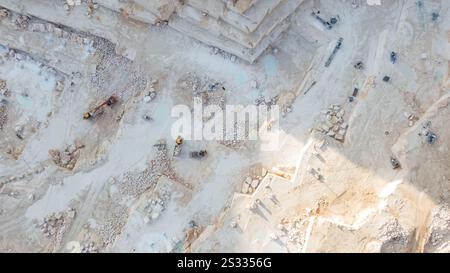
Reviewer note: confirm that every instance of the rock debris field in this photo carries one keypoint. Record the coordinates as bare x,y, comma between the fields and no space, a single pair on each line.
89,162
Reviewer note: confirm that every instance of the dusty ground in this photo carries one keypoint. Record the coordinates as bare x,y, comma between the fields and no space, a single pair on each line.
111,190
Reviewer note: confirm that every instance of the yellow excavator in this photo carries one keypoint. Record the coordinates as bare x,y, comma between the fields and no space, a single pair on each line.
99,108
177,149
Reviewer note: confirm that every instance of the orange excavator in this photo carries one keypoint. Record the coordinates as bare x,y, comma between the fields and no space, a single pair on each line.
99,108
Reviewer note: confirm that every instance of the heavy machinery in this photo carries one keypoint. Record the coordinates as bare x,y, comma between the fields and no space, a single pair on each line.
394,162
327,24
198,154
359,65
393,57
177,149
335,50
99,108
431,137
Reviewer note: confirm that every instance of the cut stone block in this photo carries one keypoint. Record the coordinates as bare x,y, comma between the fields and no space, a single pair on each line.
249,40
131,10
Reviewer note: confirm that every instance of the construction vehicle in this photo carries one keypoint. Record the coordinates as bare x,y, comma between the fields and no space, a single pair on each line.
326,24
434,16
147,117
393,57
177,149
335,50
359,65
99,108
431,137
198,154
394,162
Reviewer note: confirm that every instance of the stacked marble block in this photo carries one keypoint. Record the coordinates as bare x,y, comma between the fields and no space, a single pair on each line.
147,11
244,28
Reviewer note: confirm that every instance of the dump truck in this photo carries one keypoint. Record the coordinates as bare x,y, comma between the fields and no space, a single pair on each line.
99,108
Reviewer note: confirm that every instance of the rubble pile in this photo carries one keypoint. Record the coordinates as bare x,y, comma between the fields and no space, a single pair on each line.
2,86
150,93
250,183
3,104
116,218
90,4
89,247
68,157
58,32
57,223
22,22
224,54
155,206
136,183
232,144
439,229
236,138
191,81
115,72
209,91
161,164
3,114
212,97
4,13
394,237
14,152
261,100
69,4
294,230
318,208
332,122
